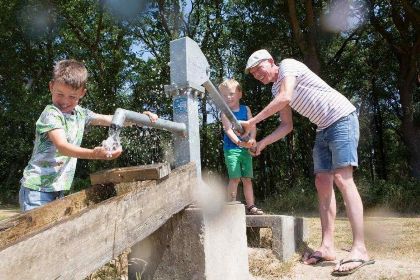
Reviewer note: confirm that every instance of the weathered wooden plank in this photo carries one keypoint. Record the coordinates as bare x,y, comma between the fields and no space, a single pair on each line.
82,243
131,174
169,198
14,228
17,227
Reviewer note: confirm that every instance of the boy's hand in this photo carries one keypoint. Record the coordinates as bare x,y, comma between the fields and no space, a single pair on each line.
153,117
256,151
248,144
104,154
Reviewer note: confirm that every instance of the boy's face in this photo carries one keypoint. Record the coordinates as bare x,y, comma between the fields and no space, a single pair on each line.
65,97
262,71
231,96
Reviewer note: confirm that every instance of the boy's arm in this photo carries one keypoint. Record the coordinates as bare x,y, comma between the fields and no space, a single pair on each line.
227,127
102,120
253,132
105,120
58,137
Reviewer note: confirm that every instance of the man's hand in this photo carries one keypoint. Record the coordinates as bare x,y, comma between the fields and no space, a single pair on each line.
247,126
258,149
104,154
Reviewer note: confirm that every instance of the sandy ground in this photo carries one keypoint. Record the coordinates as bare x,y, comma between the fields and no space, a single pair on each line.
393,242
5,213
382,269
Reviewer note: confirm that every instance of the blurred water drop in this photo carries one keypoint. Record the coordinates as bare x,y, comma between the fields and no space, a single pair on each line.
126,9
37,20
344,15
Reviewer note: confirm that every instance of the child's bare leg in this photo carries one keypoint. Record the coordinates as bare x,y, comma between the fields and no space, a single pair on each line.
232,189
343,178
327,211
248,191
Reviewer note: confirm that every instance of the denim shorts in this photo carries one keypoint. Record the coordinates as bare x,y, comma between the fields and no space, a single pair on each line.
238,163
336,146
30,199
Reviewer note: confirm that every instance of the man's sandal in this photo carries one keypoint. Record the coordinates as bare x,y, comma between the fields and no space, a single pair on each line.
348,272
253,210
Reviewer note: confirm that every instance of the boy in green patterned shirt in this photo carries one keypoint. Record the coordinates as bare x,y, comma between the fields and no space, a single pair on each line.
59,133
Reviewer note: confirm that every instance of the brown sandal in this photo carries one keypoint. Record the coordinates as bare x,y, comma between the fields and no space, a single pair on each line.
253,210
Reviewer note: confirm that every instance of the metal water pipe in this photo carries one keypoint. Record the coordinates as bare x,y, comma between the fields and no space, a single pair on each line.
122,116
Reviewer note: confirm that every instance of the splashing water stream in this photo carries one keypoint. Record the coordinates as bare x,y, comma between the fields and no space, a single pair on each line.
113,142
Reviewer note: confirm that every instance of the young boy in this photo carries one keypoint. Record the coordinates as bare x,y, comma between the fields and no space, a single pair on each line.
58,135
237,157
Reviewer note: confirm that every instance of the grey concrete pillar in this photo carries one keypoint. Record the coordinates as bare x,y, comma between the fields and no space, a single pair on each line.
189,70
191,246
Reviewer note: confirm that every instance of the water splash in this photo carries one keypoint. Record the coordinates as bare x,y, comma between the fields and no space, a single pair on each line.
113,142
210,196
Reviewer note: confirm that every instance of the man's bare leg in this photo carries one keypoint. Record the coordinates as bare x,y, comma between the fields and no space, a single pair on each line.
327,211
343,178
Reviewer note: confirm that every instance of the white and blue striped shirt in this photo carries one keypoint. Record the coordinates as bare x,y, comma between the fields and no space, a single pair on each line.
312,97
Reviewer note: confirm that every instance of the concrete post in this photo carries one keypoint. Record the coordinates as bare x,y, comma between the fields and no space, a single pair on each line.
191,246
189,70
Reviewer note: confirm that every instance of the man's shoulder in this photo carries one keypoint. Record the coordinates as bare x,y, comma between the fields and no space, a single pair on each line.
290,61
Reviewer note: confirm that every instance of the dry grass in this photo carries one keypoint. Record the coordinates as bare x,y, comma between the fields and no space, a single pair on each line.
264,265
117,269
8,211
393,241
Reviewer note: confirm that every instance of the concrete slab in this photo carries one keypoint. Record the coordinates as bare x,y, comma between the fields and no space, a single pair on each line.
287,232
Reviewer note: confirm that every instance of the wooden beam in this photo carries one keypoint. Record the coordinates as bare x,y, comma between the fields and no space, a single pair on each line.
83,242
16,227
131,174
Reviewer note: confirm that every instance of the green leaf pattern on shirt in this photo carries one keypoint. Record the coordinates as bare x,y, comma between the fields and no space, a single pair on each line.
47,169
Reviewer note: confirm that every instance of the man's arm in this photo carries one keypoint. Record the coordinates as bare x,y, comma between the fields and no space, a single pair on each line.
285,127
281,100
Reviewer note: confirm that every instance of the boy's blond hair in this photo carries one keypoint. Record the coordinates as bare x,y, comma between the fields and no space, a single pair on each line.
231,83
70,72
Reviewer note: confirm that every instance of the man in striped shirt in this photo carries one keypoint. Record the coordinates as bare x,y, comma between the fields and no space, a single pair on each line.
335,150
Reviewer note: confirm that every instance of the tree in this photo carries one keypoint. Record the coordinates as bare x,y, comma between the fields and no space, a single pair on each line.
399,24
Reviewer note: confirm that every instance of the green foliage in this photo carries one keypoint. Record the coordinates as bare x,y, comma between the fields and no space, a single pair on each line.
127,55
399,196
296,200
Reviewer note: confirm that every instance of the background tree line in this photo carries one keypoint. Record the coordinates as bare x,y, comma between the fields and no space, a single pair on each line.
368,50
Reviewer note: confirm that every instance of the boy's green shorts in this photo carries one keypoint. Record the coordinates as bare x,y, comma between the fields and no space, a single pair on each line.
238,163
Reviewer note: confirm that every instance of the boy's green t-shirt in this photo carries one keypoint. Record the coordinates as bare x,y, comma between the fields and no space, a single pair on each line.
48,170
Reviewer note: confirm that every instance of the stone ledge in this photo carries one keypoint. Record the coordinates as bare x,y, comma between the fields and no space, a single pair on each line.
287,232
